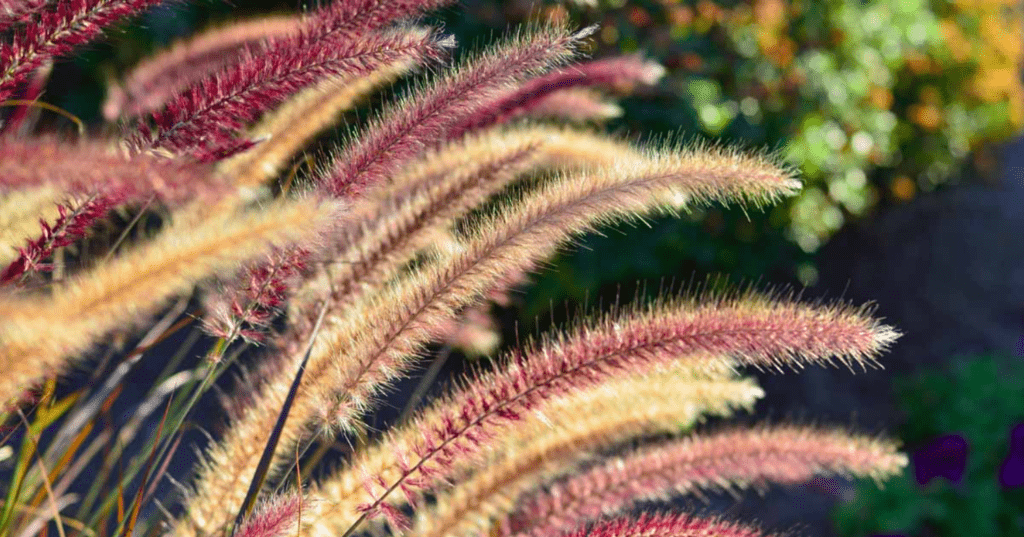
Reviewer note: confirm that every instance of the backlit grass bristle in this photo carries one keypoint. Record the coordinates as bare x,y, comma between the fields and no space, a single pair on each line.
125,291
425,117
151,83
322,281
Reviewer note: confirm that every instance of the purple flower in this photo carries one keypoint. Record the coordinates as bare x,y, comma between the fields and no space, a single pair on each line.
945,456
1011,472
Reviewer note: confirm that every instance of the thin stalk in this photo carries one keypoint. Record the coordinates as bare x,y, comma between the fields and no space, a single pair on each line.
425,383
263,467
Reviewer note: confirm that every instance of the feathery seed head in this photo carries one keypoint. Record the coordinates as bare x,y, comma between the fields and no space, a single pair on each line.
275,517
152,83
427,116
369,284
760,332
126,290
94,166
666,525
574,104
519,235
724,459
567,431
206,116
57,28
619,73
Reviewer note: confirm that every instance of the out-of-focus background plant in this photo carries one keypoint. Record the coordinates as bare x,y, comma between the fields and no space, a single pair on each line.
875,100
965,428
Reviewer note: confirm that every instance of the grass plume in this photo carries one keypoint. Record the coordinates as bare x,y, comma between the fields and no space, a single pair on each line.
346,272
94,166
557,436
56,29
753,330
730,458
207,115
128,289
295,123
152,83
418,122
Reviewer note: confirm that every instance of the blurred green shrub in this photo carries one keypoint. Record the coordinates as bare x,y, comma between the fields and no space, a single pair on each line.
979,401
871,99
875,102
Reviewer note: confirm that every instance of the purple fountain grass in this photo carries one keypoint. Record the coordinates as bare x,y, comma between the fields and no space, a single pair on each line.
76,167
102,173
739,457
666,525
424,119
276,517
294,124
377,338
124,291
394,222
416,223
55,30
14,12
753,330
357,17
512,242
562,434
573,104
152,83
32,91
620,73
208,115
74,220
247,309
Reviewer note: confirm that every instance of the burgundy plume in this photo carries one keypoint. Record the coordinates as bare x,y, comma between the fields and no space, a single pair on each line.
426,119
90,166
33,89
275,517
206,117
54,31
755,330
620,73
666,525
729,458
573,104
14,12
357,17
252,302
151,83
73,221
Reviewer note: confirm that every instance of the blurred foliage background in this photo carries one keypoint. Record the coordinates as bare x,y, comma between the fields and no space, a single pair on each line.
965,420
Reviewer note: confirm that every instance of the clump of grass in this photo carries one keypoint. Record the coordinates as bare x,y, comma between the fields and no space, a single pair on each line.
444,200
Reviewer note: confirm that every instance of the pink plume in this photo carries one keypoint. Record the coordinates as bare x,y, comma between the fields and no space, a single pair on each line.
56,29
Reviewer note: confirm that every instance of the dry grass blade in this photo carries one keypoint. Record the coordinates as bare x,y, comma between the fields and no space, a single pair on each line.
268,451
